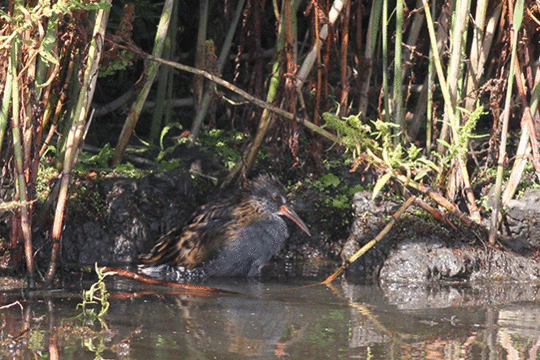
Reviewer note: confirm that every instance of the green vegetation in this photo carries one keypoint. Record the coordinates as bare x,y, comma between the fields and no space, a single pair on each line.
340,194
96,298
360,139
101,162
224,145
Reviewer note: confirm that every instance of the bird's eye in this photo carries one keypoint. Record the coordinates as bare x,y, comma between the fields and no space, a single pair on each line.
275,196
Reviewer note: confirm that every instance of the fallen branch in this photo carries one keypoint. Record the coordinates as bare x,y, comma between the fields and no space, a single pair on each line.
435,196
151,281
437,214
247,96
372,243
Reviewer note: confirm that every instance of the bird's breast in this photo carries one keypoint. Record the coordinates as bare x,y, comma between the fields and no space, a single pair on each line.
264,232
249,248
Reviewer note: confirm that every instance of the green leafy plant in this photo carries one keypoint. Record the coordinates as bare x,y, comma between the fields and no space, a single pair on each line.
124,61
97,297
164,151
101,161
378,142
353,134
340,193
221,144
465,132
102,158
327,180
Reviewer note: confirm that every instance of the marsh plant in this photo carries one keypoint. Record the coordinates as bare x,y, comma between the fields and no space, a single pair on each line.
96,298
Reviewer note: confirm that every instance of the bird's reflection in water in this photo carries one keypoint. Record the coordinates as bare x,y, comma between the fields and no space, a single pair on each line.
244,325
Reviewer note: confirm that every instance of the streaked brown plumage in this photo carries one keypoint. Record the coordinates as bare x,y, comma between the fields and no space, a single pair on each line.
233,236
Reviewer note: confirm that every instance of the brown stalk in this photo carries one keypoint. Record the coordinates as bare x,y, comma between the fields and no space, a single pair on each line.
291,95
69,57
316,148
17,130
47,207
326,66
53,346
15,252
76,135
290,50
198,81
504,121
524,148
528,118
343,59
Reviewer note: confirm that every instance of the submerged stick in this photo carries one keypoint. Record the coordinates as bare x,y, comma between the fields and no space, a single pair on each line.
372,243
151,281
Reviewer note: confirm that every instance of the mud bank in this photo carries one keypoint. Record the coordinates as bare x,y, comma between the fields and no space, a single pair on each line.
417,250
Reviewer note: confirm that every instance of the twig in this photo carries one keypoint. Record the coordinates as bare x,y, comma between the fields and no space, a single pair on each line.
11,305
372,243
151,281
438,215
247,96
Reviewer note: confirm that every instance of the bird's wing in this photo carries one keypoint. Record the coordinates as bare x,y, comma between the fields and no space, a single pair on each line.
195,243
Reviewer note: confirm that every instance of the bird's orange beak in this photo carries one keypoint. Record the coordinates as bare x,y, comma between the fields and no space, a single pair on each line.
291,214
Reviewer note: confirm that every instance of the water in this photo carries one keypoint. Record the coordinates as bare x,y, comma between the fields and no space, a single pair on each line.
276,319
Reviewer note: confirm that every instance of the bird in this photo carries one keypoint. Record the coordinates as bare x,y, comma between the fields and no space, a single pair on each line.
234,236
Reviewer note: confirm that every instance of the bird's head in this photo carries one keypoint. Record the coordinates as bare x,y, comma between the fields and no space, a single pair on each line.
269,196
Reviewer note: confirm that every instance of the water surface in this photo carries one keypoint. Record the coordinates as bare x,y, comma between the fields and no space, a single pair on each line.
274,318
